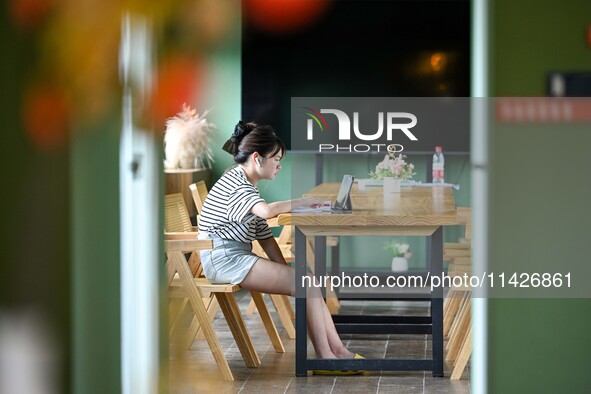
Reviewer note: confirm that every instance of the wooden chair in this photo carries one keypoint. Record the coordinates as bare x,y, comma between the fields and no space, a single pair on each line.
177,225
280,302
177,218
452,251
457,306
183,284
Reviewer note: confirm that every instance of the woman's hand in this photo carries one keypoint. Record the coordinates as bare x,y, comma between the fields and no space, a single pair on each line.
308,202
267,211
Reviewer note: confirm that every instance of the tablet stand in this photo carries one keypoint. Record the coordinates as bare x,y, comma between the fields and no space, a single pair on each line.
347,206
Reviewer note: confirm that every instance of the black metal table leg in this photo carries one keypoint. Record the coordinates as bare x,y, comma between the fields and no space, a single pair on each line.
436,264
335,263
300,323
320,261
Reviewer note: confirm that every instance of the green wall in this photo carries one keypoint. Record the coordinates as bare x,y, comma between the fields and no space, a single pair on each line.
539,218
223,97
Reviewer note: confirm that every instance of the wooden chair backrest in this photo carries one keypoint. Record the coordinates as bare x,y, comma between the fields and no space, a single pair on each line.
176,216
199,193
177,222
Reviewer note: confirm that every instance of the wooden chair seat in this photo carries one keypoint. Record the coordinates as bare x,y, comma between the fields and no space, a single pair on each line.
176,288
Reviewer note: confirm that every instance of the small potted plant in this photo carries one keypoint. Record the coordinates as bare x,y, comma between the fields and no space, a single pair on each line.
392,170
401,254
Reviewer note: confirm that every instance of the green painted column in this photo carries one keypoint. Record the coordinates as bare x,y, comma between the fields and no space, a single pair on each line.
96,344
539,215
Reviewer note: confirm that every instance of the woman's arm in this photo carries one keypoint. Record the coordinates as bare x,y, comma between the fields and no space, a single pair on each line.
267,211
270,247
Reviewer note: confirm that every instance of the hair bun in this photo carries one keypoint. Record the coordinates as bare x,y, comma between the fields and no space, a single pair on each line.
240,130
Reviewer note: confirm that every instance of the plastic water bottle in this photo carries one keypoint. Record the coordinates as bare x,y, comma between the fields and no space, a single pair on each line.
438,163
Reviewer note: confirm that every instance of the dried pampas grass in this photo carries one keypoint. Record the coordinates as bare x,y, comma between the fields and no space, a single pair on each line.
187,140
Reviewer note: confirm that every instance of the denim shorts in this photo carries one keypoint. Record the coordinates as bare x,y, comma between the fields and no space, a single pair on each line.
228,262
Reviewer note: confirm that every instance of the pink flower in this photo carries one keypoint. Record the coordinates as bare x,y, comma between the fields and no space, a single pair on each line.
393,166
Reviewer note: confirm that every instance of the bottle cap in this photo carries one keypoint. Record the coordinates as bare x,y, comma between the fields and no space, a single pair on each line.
438,149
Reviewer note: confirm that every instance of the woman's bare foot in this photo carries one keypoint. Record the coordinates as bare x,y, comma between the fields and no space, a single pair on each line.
327,355
345,353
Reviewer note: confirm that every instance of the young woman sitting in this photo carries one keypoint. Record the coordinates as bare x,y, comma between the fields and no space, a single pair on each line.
234,214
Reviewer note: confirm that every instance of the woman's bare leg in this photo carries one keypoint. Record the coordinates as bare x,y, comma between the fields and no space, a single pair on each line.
336,344
269,277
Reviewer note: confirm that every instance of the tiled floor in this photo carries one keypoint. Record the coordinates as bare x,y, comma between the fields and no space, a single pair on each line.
195,371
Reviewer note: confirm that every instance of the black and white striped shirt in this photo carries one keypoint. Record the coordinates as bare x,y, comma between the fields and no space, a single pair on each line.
226,211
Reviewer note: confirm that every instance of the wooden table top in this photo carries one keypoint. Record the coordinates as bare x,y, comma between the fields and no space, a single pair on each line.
413,206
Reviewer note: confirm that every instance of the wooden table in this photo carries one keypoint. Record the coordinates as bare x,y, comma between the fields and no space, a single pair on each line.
416,211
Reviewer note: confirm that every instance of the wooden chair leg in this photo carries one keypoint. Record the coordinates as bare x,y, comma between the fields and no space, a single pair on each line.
450,311
456,341
332,302
268,321
450,353
231,312
283,314
180,264
288,307
456,321
195,264
193,332
176,310
212,306
463,357
251,308
284,311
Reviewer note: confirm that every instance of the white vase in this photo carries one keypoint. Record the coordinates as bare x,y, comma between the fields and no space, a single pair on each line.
399,264
391,185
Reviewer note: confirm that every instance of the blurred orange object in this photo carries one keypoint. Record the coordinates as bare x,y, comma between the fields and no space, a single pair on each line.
283,15
46,117
179,81
29,13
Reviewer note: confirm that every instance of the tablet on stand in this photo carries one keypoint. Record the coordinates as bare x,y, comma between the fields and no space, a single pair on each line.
343,202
